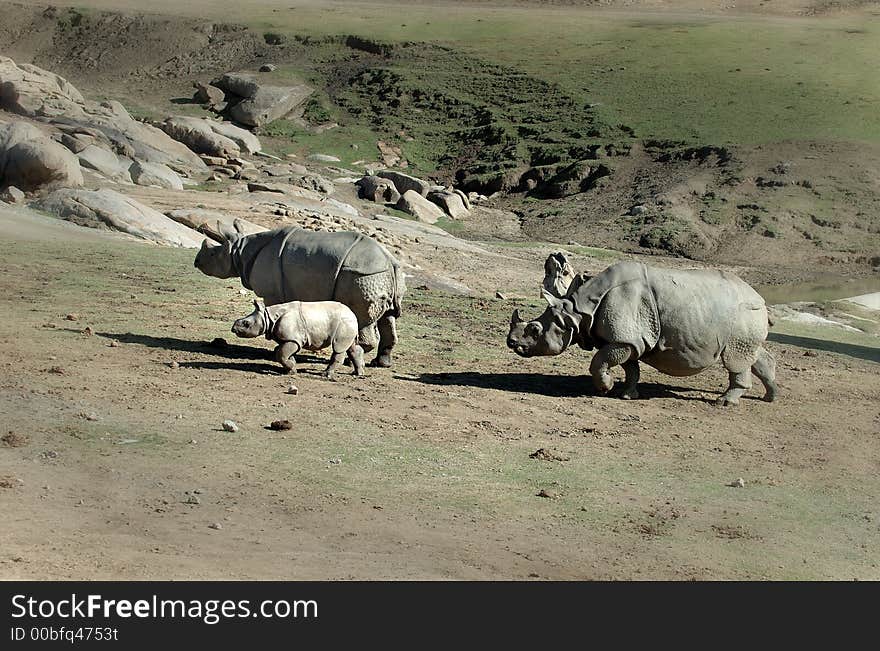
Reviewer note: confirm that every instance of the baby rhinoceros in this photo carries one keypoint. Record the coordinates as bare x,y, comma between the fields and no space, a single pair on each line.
681,322
301,325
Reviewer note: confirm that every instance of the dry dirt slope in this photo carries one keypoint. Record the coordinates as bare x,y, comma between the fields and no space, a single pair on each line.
114,464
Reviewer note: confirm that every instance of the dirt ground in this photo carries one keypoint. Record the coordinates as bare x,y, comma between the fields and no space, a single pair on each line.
114,465
463,461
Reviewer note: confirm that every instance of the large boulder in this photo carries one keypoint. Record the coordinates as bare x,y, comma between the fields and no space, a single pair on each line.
32,91
212,223
108,209
416,205
260,104
210,96
30,159
198,135
450,202
105,162
144,173
404,182
247,142
28,90
375,188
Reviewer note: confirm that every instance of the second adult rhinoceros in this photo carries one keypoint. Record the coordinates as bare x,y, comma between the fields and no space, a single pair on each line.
294,264
681,322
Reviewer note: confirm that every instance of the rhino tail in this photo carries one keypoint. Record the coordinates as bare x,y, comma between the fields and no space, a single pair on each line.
398,288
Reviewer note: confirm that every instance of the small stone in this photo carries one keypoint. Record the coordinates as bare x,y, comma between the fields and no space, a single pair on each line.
637,210
173,364
89,416
88,332
192,441
192,499
548,494
57,370
268,67
501,296
810,353
243,292
71,317
739,483
230,426
279,425
334,462
113,344
216,526
292,390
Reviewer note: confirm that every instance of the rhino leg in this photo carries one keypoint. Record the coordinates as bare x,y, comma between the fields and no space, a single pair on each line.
630,384
284,354
356,359
387,340
605,359
765,369
335,359
739,384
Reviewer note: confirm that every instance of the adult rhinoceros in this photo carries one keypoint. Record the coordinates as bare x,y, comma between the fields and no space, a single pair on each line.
294,264
678,321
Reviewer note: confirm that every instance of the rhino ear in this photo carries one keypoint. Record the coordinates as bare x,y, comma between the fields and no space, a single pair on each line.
552,301
257,303
515,318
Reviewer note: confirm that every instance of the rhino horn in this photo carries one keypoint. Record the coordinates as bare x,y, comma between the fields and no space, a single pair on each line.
238,225
205,244
515,318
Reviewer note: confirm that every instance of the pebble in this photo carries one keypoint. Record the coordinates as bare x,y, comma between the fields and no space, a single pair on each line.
281,425
739,483
71,317
113,344
292,390
501,296
230,426
216,526
335,462
173,365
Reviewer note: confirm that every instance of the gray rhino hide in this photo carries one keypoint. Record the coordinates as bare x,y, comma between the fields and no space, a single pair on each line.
694,313
296,264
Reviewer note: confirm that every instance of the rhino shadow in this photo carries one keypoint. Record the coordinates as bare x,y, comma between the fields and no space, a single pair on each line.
552,385
227,350
853,350
261,369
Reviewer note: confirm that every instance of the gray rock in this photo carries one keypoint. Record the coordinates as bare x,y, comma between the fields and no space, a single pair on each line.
107,209
28,90
105,162
450,202
419,207
247,142
324,158
12,195
229,426
314,182
29,159
260,104
404,182
375,188
268,67
154,174
199,135
215,225
209,95
638,209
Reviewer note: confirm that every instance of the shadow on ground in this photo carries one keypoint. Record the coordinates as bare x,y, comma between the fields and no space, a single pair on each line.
853,350
557,386
215,348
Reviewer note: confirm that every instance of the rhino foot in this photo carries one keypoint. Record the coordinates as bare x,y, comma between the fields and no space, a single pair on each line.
629,394
726,401
382,361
